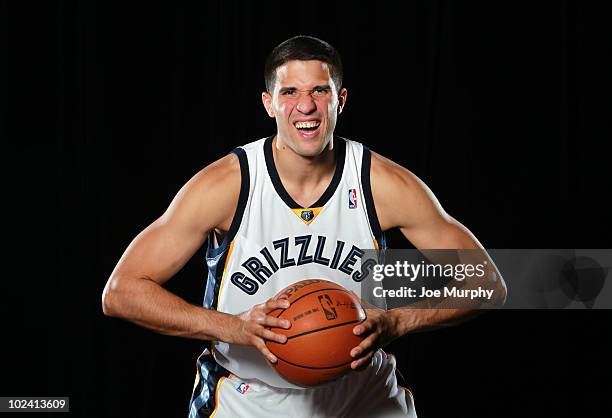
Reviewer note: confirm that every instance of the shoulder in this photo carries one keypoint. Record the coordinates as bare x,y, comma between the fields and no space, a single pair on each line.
210,197
400,197
222,172
222,176
390,177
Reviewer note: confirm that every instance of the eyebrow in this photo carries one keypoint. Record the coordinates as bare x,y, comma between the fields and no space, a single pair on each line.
285,89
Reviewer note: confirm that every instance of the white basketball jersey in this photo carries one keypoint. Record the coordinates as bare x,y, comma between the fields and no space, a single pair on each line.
274,242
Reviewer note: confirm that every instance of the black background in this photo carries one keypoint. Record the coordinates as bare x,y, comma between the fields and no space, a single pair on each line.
502,108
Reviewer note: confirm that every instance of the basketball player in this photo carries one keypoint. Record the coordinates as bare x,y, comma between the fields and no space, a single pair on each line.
284,208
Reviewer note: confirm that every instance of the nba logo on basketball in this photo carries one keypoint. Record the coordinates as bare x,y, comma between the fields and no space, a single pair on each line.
242,388
352,198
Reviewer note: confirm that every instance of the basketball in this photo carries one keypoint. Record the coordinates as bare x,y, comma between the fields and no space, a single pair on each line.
323,315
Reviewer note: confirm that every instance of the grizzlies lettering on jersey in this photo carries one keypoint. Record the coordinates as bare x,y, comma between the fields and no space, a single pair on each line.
261,268
274,242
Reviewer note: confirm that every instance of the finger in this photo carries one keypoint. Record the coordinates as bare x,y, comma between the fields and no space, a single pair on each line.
365,345
272,322
272,304
363,328
272,336
363,362
266,352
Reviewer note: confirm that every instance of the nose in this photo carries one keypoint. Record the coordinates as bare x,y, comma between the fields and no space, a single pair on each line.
306,104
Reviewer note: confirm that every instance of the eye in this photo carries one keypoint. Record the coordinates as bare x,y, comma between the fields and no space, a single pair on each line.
320,91
288,93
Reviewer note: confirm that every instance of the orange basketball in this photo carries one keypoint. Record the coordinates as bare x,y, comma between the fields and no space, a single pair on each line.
319,341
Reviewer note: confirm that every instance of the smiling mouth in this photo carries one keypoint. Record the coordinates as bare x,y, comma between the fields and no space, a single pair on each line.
307,126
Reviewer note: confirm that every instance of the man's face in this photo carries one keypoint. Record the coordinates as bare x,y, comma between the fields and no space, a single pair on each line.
305,103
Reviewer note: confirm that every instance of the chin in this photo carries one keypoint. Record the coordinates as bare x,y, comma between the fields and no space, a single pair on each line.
310,147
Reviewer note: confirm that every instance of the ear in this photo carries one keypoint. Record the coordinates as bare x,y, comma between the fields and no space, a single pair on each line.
342,95
266,99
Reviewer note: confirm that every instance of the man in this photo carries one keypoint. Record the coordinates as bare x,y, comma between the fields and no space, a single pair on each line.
261,208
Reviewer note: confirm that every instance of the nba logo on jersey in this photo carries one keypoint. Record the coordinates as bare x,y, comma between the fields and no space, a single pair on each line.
242,388
352,198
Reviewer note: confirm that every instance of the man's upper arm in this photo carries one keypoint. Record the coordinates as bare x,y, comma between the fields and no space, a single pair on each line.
205,202
402,200
405,202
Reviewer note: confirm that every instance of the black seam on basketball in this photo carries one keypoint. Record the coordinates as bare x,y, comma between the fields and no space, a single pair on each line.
323,329
314,291
311,367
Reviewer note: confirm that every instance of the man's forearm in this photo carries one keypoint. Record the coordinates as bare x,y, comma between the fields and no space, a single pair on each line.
146,303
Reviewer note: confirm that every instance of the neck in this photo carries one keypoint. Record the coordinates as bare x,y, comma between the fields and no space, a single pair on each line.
304,178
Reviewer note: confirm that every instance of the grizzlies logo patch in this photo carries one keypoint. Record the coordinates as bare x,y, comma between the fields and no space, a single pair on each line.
307,215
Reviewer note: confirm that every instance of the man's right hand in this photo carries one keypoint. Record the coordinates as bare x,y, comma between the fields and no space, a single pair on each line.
253,327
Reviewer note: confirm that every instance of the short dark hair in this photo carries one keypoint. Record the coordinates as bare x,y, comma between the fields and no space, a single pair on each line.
303,48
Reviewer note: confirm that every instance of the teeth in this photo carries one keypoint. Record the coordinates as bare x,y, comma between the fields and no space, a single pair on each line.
309,124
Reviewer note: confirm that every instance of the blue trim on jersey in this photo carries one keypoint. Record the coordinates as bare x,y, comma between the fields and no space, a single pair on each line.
203,399
215,257
215,261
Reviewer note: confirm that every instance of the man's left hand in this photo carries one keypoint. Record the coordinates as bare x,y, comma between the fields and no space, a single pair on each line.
379,329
